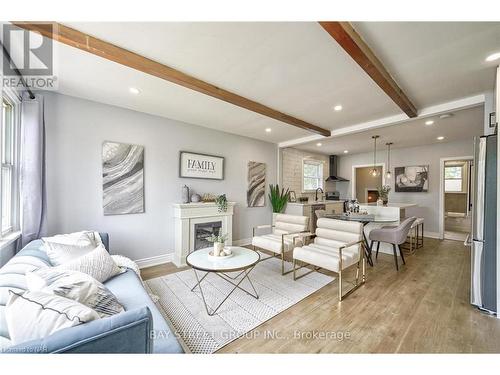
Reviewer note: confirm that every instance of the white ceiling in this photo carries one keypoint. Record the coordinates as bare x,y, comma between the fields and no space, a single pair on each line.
464,124
294,67
435,62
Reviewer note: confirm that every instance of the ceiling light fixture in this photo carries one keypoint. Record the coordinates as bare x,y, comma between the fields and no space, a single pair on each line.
440,138
374,172
134,90
493,57
346,151
429,122
337,108
319,144
268,130
388,175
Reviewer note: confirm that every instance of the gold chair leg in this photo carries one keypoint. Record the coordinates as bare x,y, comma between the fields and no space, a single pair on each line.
283,273
340,285
364,269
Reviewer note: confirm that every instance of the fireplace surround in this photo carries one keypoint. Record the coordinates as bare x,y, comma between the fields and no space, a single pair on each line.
194,222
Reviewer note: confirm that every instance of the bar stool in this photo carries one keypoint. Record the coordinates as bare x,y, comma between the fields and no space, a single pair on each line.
415,236
393,235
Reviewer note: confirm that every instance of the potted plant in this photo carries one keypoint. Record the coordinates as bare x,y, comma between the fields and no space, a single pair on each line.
218,241
383,193
278,199
221,202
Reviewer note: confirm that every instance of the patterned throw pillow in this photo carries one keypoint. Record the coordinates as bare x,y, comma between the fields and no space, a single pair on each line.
98,264
33,315
77,286
66,247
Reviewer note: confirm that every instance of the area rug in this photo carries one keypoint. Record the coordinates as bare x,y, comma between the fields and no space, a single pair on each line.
201,333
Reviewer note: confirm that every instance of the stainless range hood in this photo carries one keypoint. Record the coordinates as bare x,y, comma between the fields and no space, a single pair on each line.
333,170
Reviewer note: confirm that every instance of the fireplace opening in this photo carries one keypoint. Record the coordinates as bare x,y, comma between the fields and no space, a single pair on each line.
203,231
372,196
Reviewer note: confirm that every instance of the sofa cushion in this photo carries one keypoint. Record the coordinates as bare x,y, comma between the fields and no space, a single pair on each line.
63,248
127,287
30,258
33,315
77,286
12,278
98,264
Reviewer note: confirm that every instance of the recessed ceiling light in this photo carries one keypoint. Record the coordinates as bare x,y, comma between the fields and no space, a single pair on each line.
268,130
319,144
429,122
493,57
337,108
446,115
134,90
346,151
440,138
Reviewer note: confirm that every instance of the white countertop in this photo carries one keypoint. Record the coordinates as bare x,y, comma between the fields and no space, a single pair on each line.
313,202
397,205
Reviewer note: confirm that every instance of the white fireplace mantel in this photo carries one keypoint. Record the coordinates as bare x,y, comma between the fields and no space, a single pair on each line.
187,215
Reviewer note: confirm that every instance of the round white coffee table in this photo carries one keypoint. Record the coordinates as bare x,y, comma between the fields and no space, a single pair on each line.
242,259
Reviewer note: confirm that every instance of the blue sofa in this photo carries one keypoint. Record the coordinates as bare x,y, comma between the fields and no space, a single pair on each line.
139,329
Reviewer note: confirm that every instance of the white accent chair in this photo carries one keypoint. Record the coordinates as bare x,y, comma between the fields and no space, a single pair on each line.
280,240
337,246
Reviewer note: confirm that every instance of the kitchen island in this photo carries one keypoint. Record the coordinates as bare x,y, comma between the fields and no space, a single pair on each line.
308,209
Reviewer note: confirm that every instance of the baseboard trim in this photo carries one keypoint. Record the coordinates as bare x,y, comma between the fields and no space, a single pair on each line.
432,235
154,261
242,242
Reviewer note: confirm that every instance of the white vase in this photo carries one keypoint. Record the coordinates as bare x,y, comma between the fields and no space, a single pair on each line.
274,217
218,249
380,202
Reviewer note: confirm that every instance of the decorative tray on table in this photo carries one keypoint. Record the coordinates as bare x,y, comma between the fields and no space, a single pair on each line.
220,257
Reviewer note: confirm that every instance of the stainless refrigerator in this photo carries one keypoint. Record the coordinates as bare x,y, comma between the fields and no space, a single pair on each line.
484,225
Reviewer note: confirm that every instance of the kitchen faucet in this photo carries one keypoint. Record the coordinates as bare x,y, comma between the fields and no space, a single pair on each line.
317,193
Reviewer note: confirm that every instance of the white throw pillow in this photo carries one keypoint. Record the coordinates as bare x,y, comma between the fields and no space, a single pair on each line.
66,247
33,315
98,264
77,286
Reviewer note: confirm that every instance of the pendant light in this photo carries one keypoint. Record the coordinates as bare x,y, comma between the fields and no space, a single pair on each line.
388,175
374,172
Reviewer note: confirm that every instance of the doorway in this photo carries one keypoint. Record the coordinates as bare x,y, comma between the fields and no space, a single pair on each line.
456,198
364,185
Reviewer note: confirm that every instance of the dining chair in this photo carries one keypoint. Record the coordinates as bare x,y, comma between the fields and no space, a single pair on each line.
394,236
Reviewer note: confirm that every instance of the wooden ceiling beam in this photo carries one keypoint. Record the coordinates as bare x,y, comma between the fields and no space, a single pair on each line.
355,46
109,51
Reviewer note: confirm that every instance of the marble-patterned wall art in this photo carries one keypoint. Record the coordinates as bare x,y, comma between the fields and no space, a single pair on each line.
256,190
123,178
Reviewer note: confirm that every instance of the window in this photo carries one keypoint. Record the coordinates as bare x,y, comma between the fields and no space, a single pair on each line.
8,200
312,175
453,179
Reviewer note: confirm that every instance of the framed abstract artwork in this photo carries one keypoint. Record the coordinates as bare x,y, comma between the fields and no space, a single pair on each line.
122,178
256,184
413,179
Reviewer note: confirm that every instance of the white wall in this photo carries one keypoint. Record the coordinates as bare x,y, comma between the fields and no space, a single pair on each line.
75,130
428,203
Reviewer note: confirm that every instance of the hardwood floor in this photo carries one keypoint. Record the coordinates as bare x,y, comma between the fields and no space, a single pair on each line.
423,308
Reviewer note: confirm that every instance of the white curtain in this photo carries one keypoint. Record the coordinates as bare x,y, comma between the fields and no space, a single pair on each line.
32,169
